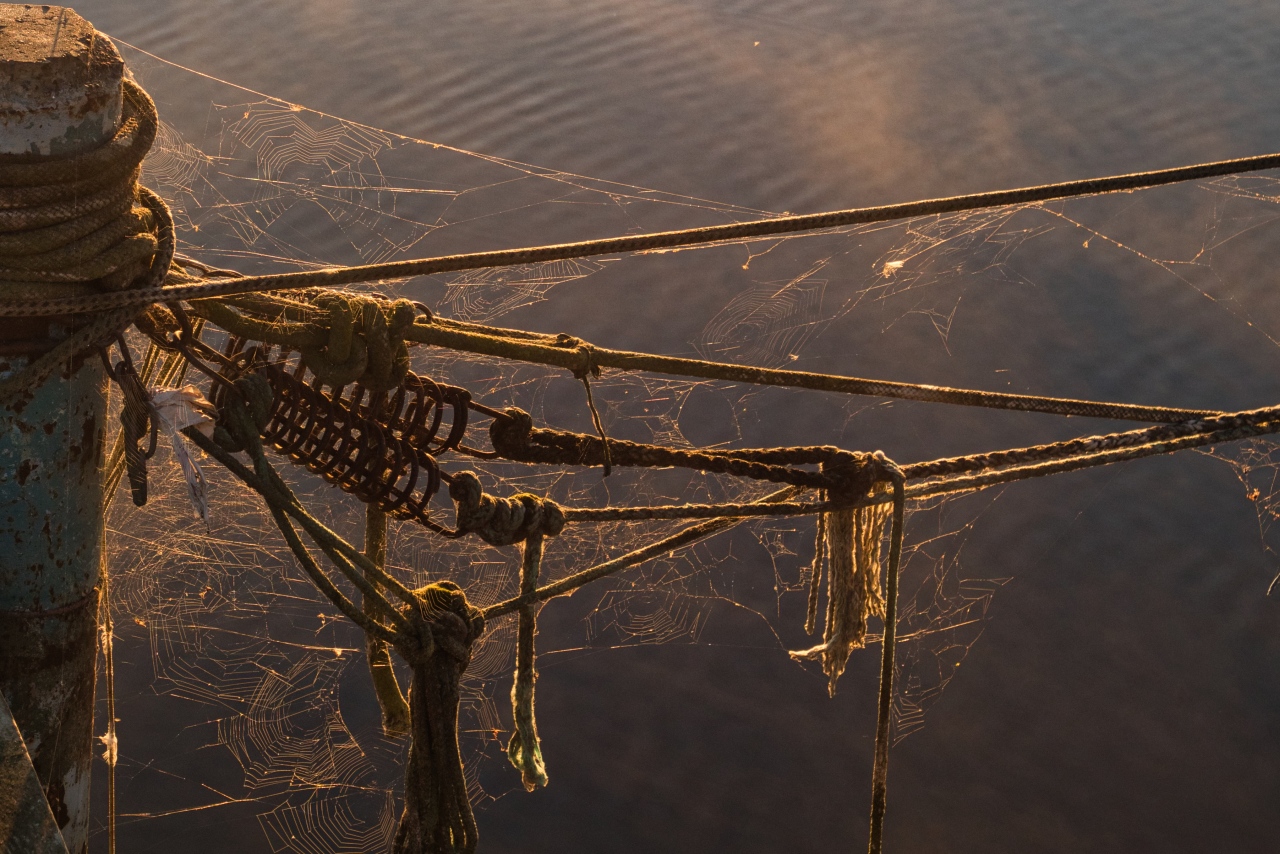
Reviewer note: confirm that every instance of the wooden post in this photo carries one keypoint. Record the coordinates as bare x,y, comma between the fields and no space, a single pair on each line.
60,94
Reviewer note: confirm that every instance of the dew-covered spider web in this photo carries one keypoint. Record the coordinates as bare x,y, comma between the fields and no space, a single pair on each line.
218,620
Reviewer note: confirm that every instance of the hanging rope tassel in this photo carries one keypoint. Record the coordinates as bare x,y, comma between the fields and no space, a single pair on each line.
850,540
524,749
869,524
815,572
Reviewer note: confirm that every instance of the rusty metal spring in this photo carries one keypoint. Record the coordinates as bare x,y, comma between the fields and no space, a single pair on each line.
379,449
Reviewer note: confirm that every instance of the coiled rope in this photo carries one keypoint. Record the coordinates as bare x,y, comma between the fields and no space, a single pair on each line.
79,225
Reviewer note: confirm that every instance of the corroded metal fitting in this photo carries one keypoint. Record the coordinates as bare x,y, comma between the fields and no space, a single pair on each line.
61,81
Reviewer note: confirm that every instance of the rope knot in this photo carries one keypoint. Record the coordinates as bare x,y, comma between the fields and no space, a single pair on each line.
849,545
588,368
503,521
443,621
363,341
854,474
437,814
512,433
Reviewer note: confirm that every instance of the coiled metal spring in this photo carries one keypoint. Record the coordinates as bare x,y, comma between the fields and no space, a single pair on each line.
381,449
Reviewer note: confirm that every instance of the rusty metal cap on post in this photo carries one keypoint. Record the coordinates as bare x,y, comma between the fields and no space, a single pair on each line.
59,81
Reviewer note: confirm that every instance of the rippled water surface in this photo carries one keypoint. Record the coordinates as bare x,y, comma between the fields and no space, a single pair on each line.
1124,694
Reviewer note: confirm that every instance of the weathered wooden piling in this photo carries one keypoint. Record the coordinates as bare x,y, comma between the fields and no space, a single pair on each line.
60,94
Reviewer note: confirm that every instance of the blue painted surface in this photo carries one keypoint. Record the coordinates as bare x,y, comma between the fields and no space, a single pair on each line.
27,825
51,491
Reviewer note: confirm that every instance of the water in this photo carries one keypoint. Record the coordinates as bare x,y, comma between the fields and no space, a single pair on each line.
1123,695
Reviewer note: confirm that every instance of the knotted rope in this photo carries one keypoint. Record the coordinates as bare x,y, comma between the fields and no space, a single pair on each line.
515,438
588,369
437,816
525,750
356,338
498,521
83,225
434,629
502,521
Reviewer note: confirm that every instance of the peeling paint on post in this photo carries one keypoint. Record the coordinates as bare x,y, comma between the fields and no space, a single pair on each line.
60,93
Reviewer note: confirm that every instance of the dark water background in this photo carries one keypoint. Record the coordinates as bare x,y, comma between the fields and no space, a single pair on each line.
1124,695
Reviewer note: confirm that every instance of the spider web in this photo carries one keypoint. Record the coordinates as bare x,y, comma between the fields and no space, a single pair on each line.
218,625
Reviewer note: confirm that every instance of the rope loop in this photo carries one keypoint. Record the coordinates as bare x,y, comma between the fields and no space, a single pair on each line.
502,521
137,420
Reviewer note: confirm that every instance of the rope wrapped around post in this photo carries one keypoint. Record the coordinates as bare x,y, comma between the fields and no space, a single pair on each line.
81,225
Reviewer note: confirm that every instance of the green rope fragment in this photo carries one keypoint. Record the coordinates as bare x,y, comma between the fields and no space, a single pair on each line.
524,750
395,709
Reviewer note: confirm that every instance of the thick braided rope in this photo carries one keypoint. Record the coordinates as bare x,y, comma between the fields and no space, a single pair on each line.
82,222
1090,444
100,329
338,276
722,517
963,474
966,483
80,218
515,438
